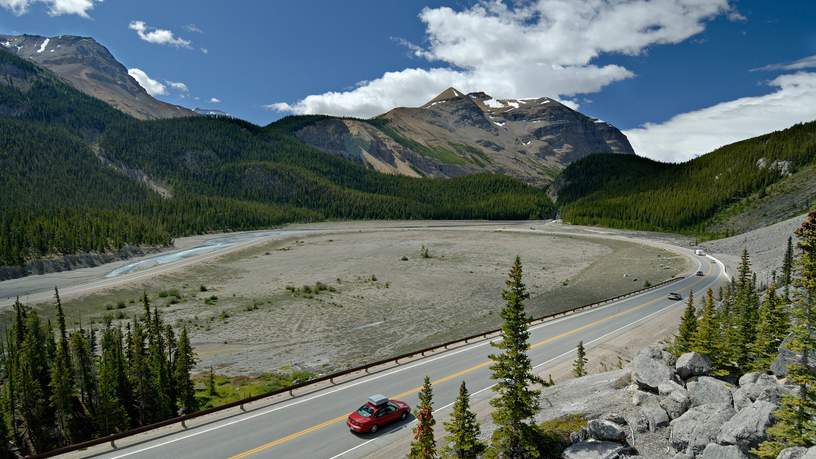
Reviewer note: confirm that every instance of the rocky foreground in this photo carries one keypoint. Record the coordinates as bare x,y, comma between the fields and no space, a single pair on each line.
667,407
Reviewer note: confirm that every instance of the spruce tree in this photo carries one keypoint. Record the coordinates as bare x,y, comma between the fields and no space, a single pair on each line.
62,382
85,370
579,366
706,339
212,389
424,445
141,377
772,328
745,315
796,417
516,402
463,430
688,327
111,413
183,365
787,264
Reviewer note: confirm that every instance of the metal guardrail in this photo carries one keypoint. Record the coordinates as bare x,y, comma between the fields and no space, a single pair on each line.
329,377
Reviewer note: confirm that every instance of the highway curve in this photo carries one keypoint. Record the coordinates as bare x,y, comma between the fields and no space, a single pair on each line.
313,425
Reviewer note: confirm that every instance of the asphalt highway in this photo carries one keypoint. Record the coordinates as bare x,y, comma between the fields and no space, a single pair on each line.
313,426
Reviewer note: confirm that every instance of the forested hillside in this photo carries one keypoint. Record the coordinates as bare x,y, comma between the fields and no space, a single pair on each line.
638,193
79,176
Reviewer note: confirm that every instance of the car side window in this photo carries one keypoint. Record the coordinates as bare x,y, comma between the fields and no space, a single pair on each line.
390,408
381,412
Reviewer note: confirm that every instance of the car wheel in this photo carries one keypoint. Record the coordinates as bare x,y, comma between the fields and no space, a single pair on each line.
404,415
375,428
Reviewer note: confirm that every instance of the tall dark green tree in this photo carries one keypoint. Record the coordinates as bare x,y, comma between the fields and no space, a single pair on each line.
796,417
141,377
688,326
85,370
463,430
424,445
706,339
62,381
517,401
772,328
114,391
184,362
579,366
787,264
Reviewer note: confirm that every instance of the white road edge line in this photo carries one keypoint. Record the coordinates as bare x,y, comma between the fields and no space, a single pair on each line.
361,381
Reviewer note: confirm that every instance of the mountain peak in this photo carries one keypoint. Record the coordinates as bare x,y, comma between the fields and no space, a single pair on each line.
450,93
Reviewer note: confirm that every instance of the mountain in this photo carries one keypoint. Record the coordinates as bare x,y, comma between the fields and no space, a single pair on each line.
736,188
91,68
457,134
79,176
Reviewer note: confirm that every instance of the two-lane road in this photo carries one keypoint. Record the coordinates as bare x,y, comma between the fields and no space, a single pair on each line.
313,426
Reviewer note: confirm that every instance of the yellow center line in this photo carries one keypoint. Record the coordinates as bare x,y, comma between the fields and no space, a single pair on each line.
444,379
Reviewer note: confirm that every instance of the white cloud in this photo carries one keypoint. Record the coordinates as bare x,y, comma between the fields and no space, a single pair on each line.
530,49
55,7
691,134
215,100
153,87
158,36
205,50
177,85
193,28
801,64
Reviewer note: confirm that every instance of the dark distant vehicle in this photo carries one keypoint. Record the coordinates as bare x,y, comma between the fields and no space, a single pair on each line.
378,412
700,273
675,296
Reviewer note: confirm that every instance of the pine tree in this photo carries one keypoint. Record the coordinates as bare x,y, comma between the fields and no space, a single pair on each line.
745,315
516,402
772,328
688,326
112,414
424,445
463,429
85,371
184,361
706,339
212,390
579,366
796,417
62,382
787,264
141,378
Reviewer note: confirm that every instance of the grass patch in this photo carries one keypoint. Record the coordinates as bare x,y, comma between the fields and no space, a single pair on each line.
554,434
233,388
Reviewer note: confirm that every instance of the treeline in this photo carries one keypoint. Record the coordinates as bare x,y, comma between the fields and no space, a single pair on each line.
741,331
638,193
73,172
61,387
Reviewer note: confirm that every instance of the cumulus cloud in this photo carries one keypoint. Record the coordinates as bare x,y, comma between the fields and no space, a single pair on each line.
177,86
527,49
55,7
153,87
800,64
158,36
691,134
215,100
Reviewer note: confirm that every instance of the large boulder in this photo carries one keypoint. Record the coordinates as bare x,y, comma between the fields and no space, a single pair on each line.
667,387
699,426
692,364
603,430
715,451
797,452
811,453
707,390
747,428
653,417
650,368
764,387
676,403
779,367
594,450
749,378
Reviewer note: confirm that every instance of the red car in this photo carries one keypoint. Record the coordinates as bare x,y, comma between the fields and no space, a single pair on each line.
376,413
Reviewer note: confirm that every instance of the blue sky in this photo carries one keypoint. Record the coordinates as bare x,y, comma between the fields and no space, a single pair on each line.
679,81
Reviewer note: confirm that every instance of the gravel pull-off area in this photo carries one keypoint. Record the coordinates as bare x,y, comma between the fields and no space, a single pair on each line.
766,246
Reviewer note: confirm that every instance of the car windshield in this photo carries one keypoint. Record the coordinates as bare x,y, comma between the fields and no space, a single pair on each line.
365,411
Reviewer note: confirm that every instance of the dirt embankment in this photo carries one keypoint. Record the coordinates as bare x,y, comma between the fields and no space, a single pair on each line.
71,262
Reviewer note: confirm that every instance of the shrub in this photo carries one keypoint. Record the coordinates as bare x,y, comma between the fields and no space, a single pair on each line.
121,305
202,288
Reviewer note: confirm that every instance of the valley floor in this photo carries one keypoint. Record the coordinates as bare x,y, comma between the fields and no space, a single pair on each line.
336,295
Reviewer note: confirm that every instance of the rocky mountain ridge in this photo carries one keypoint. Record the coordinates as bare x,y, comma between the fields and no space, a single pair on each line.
89,67
456,134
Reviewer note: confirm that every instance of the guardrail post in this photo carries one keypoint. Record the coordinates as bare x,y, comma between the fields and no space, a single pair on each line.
242,408
113,444
291,393
396,361
366,370
331,380
184,425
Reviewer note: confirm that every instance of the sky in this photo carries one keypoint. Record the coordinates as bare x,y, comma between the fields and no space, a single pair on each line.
679,77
